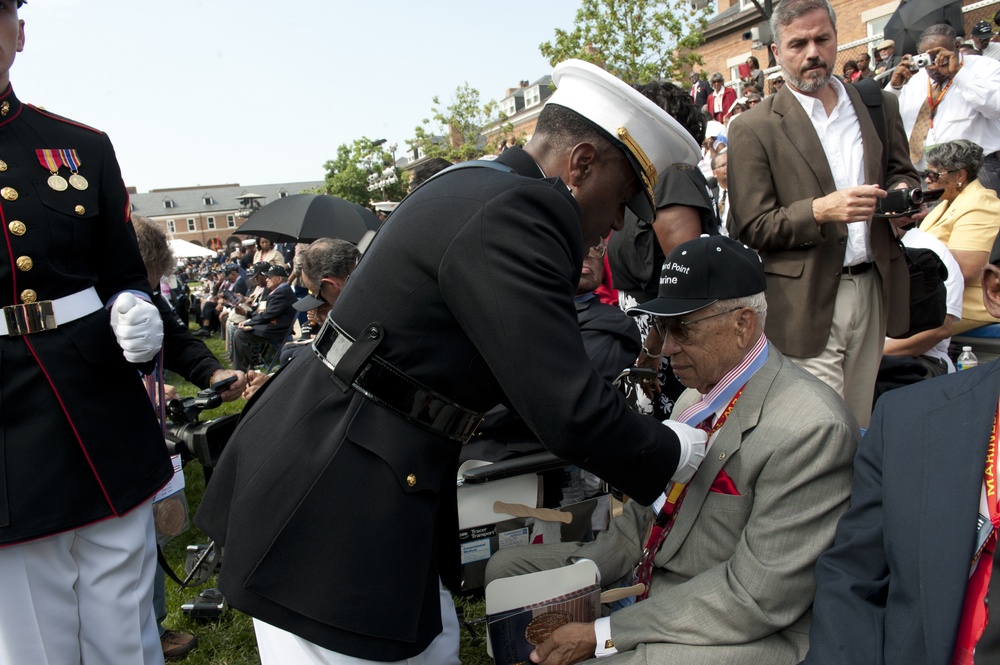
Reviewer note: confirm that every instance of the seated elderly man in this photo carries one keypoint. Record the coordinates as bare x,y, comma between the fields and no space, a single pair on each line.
269,326
915,561
732,582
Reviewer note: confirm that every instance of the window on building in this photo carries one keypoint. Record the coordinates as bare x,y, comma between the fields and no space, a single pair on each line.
876,17
282,193
191,226
532,97
208,200
230,221
171,226
211,222
168,203
509,106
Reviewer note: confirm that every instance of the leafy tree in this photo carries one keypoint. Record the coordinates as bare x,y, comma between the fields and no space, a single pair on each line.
636,40
347,174
457,133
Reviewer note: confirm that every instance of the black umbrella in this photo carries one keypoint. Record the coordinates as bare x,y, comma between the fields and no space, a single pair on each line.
914,16
306,217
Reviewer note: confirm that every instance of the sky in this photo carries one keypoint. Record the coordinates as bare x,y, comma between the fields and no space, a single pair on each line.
207,92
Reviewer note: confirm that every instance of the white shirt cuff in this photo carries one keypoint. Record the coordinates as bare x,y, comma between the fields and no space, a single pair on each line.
605,646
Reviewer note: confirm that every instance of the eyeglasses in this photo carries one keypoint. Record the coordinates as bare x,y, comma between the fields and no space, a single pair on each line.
598,251
751,102
933,176
779,82
679,330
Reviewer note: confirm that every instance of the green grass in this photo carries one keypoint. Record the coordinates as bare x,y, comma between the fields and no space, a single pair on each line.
230,639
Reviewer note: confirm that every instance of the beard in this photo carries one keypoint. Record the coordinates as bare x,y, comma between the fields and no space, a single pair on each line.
815,80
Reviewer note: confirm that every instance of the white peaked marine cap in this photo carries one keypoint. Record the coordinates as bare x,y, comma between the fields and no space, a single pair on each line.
650,138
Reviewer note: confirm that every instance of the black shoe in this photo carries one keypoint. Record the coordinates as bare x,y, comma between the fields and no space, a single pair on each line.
202,332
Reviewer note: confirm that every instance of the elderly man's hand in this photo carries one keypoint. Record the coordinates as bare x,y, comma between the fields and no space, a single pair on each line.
568,644
234,390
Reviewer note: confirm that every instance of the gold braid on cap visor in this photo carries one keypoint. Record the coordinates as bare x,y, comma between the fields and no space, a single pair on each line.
649,175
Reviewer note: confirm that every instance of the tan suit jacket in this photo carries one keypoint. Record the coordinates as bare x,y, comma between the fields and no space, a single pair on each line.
778,168
733,582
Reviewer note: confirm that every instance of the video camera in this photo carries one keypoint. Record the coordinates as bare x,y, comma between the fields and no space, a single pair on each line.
905,202
192,439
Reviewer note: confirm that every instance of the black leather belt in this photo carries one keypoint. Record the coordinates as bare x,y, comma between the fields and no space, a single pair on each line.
859,269
389,387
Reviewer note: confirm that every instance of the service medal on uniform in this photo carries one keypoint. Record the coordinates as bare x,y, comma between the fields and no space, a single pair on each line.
72,162
51,160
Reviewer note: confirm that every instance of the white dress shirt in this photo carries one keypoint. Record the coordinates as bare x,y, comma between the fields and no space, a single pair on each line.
969,110
840,134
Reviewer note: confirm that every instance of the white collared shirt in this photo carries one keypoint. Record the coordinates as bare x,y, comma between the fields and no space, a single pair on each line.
840,135
969,110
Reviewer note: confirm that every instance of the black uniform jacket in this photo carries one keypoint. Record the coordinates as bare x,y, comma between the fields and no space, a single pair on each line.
79,441
338,515
274,321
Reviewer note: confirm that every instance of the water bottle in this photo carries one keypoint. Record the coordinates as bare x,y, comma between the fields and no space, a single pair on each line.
967,359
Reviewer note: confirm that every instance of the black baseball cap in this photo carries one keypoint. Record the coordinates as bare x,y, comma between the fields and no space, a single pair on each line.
277,271
308,302
259,269
982,30
702,271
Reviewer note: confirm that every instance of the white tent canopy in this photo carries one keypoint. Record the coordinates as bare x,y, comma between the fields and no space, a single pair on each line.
186,250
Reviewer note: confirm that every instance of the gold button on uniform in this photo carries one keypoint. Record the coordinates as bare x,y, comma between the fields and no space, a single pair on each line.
411,480
24,263
3,165
28,296
80,210
17,227
9,193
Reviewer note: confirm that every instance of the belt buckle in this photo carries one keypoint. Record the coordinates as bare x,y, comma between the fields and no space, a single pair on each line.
30,318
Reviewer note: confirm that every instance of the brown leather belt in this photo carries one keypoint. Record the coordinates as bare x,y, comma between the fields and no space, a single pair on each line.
858,269
387,386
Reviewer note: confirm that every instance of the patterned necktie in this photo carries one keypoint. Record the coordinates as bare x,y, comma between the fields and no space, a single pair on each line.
643,571
921,127
722,205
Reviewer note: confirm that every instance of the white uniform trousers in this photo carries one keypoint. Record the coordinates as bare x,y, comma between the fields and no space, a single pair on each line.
279,647
84,596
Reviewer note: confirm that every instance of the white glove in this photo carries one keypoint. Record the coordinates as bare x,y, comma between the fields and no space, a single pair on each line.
138,327
693,442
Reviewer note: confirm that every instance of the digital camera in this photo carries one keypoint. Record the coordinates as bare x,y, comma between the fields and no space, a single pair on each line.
920,60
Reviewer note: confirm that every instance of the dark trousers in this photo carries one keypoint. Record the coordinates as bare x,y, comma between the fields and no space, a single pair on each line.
243,345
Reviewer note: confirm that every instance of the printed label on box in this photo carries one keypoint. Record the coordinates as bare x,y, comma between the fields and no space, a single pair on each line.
476,550
514,537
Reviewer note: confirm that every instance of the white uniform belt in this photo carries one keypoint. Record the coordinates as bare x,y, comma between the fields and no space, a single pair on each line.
48,314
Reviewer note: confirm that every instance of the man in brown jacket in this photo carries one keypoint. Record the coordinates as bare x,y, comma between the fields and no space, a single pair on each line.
806,175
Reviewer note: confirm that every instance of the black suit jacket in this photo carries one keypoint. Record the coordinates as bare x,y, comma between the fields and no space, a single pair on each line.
890,590
700,98
339,515
273,323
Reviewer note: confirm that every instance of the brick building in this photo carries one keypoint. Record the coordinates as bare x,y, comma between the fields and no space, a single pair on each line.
859,27
202,214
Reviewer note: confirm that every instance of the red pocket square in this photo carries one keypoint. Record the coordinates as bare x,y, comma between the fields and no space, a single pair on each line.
723,484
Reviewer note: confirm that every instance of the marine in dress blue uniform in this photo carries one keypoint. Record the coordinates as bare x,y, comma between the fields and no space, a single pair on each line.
79,444
335,498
